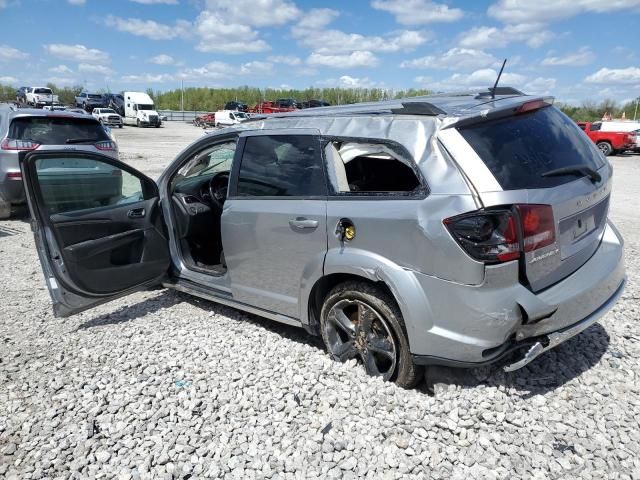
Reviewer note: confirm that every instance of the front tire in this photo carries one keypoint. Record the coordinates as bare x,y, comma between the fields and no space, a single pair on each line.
138,123
360,320
605,148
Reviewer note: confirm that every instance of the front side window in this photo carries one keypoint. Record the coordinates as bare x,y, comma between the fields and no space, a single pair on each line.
73,183
281,166
215,159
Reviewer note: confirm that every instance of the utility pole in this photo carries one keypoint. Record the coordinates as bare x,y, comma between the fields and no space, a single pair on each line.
182,95
636,110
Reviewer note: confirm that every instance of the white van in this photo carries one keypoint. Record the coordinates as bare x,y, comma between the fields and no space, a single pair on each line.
224,118
139,110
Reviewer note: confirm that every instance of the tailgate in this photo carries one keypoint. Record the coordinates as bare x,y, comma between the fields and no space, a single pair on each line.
527,157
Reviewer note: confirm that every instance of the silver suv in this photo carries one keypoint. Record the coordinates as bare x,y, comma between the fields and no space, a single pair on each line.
456,229
23,130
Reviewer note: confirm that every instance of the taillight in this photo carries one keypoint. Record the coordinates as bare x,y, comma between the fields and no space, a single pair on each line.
489,236
14,175
13,144
495,236
106,145
538,226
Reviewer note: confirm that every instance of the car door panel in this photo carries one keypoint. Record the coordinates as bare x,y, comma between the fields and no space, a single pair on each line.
274,228
91,254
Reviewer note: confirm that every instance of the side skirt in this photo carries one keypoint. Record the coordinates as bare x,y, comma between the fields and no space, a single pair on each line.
224,298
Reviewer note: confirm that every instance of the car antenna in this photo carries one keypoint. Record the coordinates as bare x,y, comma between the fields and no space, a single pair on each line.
495,85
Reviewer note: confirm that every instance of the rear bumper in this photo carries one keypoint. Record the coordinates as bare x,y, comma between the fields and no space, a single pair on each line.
477,325
11,191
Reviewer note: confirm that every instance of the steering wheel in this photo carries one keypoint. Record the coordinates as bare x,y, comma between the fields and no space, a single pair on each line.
218,189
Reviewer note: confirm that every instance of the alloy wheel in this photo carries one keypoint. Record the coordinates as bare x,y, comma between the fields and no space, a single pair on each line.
354,329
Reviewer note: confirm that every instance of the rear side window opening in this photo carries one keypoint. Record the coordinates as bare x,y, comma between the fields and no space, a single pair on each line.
366,167
519,149
56,130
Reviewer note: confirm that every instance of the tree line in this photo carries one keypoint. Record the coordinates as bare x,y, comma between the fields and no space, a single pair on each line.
212,99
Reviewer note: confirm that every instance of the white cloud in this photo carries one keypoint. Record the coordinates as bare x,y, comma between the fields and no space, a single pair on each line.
285,59
479,80
153,2
583,56
218,36
8,80
335,41
516,11
148,78
149,28
162,59
78,53
454,59
10,53
352,60
616,76
532,34
418,12
61,69
76,2
540,86
347,81
258,13
89,68
222,70
315,19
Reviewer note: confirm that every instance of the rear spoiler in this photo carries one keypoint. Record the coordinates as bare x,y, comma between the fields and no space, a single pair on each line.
526,105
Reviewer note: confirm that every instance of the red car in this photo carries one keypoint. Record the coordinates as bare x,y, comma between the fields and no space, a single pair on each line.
608,142
206,120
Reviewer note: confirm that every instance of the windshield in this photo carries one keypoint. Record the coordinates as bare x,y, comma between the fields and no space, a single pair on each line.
240,115
144,107
519,149
55,130
43,91
95,96
107,110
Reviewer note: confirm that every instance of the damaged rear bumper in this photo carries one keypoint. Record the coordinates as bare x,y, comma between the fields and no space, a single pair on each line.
518,319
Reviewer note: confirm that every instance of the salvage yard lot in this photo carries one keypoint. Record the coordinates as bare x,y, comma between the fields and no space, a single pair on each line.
163,385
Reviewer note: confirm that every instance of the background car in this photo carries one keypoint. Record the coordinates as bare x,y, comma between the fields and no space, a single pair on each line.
107,116
236,105
24,130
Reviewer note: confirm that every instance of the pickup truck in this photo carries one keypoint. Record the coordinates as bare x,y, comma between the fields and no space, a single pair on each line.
107,116
608,142
89,101
38,97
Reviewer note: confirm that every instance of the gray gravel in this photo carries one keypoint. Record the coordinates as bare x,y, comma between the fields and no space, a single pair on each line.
163,385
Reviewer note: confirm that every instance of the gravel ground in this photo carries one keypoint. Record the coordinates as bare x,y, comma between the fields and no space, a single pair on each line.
163,385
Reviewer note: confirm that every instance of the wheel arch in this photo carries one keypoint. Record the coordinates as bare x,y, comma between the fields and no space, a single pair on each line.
350,264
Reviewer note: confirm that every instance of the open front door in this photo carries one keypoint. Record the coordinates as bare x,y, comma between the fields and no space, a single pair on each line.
98,227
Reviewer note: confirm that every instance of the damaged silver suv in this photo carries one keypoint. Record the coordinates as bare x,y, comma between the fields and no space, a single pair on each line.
452,229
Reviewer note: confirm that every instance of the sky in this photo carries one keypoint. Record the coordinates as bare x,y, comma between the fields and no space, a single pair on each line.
575,50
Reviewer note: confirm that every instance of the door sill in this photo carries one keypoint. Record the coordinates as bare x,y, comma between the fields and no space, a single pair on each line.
226,298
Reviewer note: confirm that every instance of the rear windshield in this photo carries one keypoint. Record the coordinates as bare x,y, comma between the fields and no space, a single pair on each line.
45,91
95,96
56,130
518,150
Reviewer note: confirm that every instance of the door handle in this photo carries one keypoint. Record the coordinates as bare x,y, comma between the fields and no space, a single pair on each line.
301,223
136,213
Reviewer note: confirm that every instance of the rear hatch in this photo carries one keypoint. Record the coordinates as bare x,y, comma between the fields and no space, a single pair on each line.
539,156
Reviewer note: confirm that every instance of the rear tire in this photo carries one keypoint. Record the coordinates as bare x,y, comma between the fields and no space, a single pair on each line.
605,148
138,123
360,320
